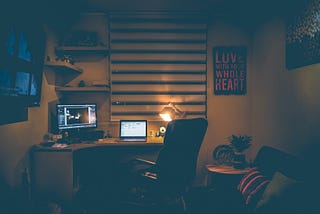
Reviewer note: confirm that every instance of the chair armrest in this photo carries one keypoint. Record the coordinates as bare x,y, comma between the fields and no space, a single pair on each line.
150,175
148,162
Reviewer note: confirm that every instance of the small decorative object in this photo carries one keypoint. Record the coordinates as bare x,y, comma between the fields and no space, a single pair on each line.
223,154
82,38
239,144
108,134
162,131
81,83
65,58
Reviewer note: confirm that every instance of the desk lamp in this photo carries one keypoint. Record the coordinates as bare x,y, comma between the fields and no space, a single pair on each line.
169,112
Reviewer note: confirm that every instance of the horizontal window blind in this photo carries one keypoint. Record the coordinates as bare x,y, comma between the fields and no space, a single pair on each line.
157,58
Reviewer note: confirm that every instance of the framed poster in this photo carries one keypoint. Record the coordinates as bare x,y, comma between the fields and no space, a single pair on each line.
229,70
303,36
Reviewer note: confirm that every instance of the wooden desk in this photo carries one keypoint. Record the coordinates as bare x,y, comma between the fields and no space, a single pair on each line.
109,142
58,172
226,172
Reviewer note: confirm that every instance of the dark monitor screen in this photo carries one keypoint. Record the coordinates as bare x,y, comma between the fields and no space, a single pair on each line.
76,116
21,52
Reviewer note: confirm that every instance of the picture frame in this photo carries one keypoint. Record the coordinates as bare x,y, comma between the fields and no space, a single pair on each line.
303,36
230,70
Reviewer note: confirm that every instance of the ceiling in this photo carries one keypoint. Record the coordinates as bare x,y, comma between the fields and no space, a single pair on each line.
61,11
60,7
221,6
153,4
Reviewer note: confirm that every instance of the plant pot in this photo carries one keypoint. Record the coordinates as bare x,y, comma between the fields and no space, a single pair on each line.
239,161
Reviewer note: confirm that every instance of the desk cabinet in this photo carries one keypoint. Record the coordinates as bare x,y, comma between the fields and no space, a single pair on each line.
57,174
52,175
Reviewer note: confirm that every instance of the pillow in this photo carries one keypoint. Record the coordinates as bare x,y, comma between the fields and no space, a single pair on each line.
252,186
282,194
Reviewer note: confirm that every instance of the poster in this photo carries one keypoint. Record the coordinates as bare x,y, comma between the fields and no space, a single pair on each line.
303,36
229,68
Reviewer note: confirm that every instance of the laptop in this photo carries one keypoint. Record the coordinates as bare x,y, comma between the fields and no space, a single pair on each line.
133,130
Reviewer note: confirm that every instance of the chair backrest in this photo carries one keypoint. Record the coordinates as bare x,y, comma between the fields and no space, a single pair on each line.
177,161
270,159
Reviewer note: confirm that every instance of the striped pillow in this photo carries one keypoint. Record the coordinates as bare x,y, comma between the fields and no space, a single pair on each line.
252,186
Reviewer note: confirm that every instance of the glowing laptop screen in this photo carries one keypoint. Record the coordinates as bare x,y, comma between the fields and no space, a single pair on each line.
133,129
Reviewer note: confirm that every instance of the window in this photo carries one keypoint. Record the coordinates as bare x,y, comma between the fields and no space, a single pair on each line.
157,58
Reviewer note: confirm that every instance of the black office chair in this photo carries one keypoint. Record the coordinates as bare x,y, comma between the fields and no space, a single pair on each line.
162,185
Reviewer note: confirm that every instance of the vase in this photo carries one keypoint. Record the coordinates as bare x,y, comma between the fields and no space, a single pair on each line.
239,161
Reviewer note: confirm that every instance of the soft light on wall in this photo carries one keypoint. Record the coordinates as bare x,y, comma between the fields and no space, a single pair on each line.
171,111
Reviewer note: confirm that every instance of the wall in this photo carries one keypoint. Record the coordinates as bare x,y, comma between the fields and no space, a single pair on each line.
94,66
16,138
281,107
285,104
226,114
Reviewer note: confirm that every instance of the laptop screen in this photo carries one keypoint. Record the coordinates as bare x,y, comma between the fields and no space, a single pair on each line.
133,129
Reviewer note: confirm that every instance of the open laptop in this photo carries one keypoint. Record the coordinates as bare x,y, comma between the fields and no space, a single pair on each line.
133,130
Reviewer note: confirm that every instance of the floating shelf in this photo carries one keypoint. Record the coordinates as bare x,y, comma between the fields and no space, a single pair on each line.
64,66
83,49
82,89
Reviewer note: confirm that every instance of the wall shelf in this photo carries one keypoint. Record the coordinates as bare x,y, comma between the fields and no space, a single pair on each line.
82,50
64,66
82,89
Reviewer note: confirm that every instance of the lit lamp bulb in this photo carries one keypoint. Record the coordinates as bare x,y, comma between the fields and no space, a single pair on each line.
166,117
167,113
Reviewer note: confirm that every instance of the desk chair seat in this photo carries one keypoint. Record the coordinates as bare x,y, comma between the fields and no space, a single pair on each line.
161,185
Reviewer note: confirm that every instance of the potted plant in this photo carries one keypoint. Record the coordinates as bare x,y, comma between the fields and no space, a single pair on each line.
240,143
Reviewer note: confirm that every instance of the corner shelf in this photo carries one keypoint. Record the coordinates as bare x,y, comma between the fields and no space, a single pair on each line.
64,66
82,89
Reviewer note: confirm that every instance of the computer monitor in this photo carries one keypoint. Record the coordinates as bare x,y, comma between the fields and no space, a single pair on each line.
76,116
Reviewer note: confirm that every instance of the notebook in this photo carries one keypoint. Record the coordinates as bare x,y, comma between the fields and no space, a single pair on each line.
133,130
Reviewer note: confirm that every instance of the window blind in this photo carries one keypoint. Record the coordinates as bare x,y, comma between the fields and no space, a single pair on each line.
157,58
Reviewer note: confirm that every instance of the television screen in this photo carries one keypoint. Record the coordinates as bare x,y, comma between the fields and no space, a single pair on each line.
21,66
76,116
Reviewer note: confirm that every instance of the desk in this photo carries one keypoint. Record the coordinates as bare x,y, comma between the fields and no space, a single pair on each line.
57,173
225,171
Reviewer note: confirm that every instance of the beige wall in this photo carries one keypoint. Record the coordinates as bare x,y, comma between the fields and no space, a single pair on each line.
226,114
17,138
285,104
281,108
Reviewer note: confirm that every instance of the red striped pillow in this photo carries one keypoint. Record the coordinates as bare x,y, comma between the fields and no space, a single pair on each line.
252,185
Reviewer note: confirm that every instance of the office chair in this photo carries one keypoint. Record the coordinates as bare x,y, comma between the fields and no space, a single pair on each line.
161,186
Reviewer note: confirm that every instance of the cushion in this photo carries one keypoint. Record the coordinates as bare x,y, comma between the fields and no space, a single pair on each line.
252,186
270,159
283,194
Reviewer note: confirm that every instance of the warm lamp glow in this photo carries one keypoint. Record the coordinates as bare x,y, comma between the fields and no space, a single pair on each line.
169,112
